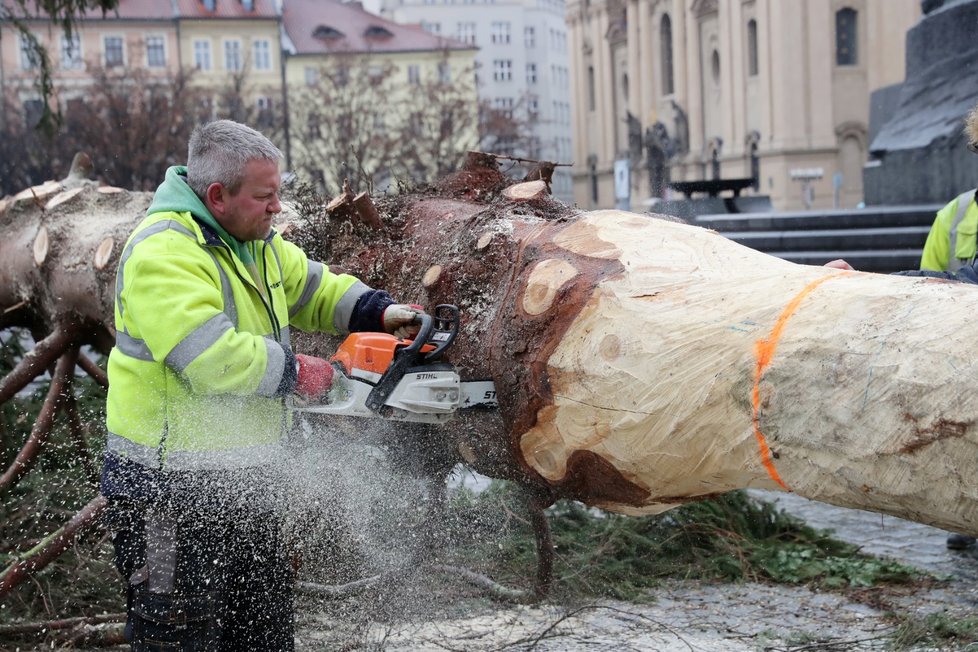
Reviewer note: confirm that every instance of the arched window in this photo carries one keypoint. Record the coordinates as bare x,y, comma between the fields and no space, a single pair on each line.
752,47
846,37
665,41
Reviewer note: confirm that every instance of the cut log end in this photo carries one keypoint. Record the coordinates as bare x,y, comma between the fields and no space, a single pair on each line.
103,253
109,190
41,243
62,198
41,192
483,241
526,191
544,282
431,276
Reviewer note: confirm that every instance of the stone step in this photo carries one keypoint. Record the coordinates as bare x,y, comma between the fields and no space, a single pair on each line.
899,237
874,217
883,261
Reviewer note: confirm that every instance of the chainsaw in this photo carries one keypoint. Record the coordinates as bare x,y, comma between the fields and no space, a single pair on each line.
379,375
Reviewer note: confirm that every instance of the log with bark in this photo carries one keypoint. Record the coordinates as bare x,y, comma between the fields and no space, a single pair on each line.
640,363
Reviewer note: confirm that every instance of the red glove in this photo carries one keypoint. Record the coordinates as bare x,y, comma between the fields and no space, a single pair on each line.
315,376
398,319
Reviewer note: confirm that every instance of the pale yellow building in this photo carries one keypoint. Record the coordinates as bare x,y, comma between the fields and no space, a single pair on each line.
709,84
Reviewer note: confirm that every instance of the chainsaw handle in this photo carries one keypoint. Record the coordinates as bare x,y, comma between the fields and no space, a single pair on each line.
427,323
437,329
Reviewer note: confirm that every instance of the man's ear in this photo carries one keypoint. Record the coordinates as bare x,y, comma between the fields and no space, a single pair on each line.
215,198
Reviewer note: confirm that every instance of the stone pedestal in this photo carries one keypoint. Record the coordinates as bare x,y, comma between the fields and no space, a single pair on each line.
918,154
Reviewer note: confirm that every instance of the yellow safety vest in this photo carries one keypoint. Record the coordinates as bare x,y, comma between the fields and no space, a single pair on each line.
200,351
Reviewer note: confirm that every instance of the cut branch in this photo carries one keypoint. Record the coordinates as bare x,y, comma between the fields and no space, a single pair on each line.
35,362
60,386
79,436
492,589
51,546
64,623
93,370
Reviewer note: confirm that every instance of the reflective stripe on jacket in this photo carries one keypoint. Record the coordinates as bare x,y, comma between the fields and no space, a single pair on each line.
202,356
953,238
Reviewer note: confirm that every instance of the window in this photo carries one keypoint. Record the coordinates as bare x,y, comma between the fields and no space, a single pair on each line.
155,52
431,28
531,73
262,53
592,95
114,51
33,112
232,55
29,58
202,55
500,33
414,73
752,48
715,67
71,52
529,37
466,33
533,108
444,72
846,38
502,69
665,43
312,75
504,105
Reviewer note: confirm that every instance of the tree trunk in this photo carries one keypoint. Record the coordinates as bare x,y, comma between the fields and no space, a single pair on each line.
640,363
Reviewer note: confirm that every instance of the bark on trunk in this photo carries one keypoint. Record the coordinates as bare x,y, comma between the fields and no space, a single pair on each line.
640,363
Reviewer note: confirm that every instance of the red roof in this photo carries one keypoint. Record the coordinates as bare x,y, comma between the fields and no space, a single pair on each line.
167,10
225,9
128,9
346,27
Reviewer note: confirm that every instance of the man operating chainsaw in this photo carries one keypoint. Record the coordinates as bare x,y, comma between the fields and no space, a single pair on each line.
201,371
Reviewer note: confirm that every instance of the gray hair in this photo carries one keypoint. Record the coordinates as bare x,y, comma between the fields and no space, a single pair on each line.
219,152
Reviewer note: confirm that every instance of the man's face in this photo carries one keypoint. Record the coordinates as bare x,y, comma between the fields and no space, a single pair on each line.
247,214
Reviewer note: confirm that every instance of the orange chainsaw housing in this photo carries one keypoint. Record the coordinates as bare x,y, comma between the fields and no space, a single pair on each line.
370,351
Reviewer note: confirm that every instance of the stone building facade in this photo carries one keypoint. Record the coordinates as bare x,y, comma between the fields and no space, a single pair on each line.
699,89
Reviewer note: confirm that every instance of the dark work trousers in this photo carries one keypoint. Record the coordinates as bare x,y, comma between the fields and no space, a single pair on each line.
207,568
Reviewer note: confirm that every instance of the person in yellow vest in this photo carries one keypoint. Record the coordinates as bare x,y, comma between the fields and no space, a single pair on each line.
200,378
950,247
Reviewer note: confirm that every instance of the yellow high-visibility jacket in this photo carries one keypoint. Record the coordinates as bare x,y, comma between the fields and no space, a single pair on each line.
202,358
953,237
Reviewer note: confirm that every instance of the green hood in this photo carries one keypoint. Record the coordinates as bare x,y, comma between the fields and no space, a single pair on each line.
174,194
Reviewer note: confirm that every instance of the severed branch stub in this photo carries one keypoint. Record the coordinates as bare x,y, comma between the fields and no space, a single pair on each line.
341,206
527,191
367,211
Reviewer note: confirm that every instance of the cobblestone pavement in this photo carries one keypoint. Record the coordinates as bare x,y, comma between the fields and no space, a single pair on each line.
697,617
